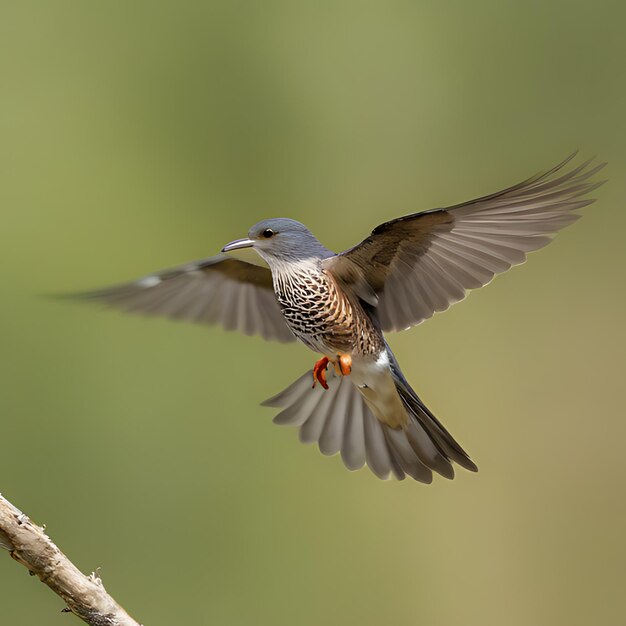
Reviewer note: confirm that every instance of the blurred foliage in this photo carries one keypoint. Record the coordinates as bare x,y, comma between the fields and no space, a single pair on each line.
138,135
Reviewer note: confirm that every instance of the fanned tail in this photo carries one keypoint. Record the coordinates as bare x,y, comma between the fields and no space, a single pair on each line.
339,421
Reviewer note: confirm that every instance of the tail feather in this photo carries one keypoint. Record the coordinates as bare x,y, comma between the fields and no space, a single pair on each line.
427,424
380,458
331,439
289,395
353,443
340,421
426,449
406,456
311,431
426,431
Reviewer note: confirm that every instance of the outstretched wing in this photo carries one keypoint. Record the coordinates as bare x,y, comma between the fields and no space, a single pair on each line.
218,290
424,262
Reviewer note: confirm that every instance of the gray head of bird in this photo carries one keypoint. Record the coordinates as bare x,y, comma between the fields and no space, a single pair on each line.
281,240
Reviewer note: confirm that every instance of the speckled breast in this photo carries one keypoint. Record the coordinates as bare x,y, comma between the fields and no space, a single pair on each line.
321,315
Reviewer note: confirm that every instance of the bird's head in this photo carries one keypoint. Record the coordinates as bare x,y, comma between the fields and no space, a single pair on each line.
281,240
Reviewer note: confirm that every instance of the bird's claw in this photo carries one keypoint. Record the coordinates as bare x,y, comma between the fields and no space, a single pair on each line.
343,367
319,372
343,364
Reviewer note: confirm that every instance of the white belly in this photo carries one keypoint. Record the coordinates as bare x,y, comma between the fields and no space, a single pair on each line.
374,381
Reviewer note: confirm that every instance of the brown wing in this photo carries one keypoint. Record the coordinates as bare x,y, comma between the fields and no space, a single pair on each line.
424,262
218,290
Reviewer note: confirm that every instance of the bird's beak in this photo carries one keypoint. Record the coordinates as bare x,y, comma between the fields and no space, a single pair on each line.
238,244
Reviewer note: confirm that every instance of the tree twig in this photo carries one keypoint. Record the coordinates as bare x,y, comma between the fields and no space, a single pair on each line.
85,596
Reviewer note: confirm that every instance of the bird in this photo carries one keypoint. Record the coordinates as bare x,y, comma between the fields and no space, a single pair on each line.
356,401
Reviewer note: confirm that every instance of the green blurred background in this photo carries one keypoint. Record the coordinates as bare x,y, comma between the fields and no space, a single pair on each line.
139,135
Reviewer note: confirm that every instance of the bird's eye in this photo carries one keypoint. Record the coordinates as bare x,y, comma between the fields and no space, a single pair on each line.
267,233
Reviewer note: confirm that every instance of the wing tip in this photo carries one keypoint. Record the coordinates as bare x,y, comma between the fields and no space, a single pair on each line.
76,296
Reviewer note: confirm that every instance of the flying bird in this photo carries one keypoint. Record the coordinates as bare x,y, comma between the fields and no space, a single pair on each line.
355,401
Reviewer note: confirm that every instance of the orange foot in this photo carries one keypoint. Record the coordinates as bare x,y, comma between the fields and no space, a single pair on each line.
319,372
343,364
343,367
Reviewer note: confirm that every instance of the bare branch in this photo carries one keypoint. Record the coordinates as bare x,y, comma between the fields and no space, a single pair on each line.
85,596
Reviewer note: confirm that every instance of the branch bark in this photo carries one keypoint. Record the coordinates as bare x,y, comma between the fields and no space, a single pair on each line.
85,596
